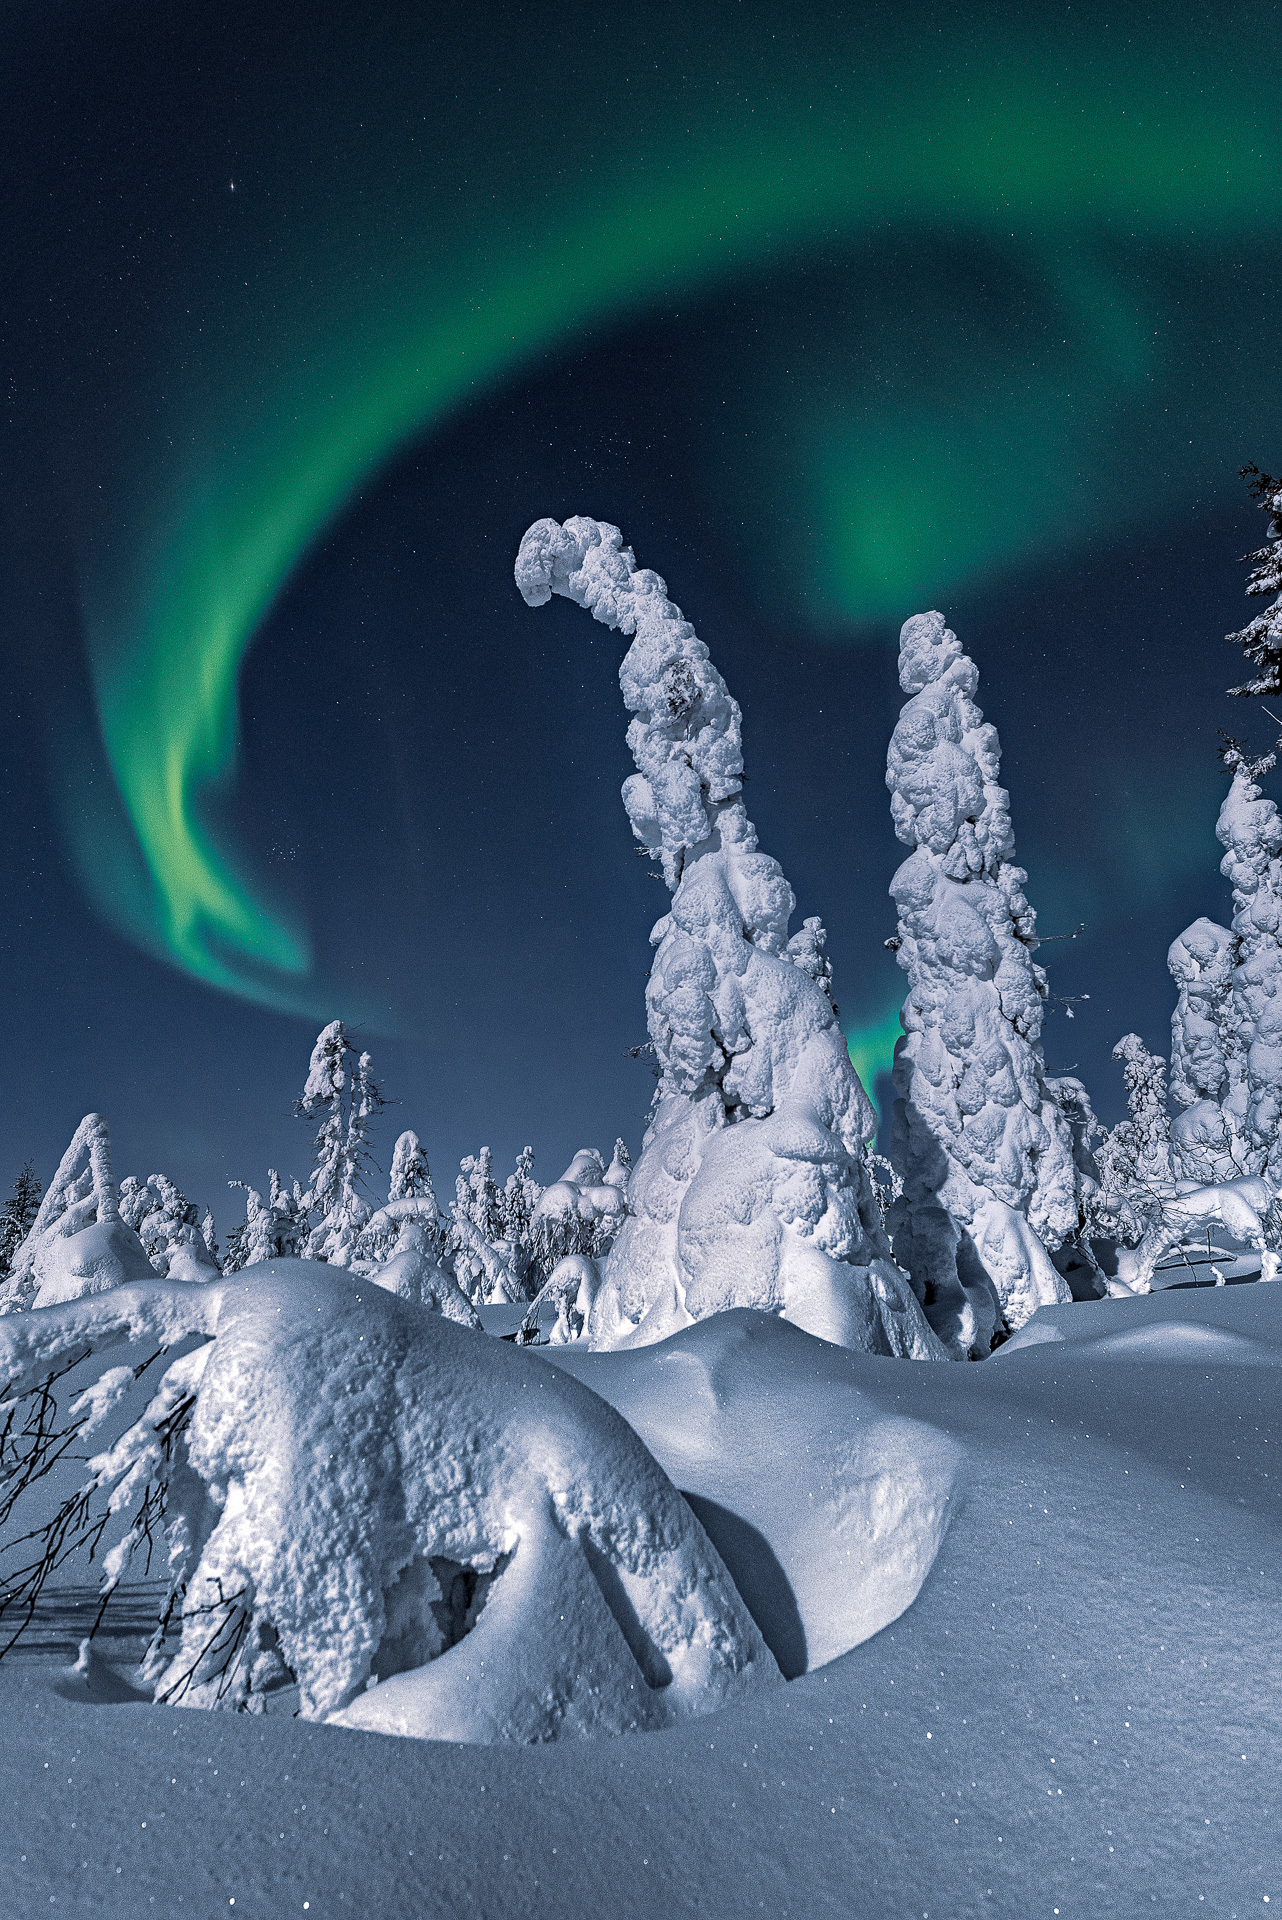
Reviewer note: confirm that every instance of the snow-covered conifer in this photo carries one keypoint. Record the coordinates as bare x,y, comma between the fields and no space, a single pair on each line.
410,1176
18,1216
78,1242
1208,1058
983,1147
1261,639
1250,830
477,1193
347,1101
166,1223
750,1189
1134,1157
619,1171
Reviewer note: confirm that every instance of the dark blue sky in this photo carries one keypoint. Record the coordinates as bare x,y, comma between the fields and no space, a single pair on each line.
429,773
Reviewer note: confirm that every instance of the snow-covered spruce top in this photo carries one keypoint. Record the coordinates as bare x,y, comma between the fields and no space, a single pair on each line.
775,1207
969,1074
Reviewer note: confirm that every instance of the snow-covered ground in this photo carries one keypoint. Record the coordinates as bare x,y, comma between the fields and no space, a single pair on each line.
1076,1715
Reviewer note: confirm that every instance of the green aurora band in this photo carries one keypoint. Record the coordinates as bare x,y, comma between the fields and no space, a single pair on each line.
1020,143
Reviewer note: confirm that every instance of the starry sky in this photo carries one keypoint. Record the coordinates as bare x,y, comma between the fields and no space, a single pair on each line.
840,313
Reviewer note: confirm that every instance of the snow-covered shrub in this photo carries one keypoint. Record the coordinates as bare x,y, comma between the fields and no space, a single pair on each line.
534,1527
78,1242
1261,639
983,1147
751,1188
166,1222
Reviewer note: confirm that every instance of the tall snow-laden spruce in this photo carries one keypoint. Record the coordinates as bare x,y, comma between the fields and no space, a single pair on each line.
347,1099
751,1188
981,1142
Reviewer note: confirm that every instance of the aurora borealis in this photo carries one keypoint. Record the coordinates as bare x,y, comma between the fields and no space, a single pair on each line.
948,303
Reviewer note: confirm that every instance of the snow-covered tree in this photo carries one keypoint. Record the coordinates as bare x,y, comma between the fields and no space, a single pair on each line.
78,1242
984,1149
273,1229
751,1188
166,1223
347,1100
1134,1157
18,1215
581,1213
397,1486
1261,639
521,1195
477,1193
1208,1058
410,1177
1250,830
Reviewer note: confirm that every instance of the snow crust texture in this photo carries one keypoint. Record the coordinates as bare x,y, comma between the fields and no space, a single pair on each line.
980,1138
751,1188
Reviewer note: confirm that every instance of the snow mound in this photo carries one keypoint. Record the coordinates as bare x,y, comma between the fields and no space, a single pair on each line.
835,1546
424,1530
751,1188
1198,1345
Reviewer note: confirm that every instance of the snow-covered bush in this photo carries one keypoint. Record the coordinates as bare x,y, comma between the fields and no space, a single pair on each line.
533,1528
78,1242
990,1184
751,1188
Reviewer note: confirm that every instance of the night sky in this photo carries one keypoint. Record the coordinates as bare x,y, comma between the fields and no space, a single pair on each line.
841,313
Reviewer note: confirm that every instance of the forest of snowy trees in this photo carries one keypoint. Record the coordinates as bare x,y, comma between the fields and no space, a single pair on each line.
757,1186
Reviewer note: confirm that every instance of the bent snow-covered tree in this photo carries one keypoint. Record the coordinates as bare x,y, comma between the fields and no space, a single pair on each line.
78,1242
983,1146
751,1188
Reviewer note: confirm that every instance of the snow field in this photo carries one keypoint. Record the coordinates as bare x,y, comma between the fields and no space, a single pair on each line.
1077,1710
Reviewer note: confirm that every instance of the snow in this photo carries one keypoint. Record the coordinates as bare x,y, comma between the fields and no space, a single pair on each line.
365,1491
1076,1710
751,1189
991,1185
